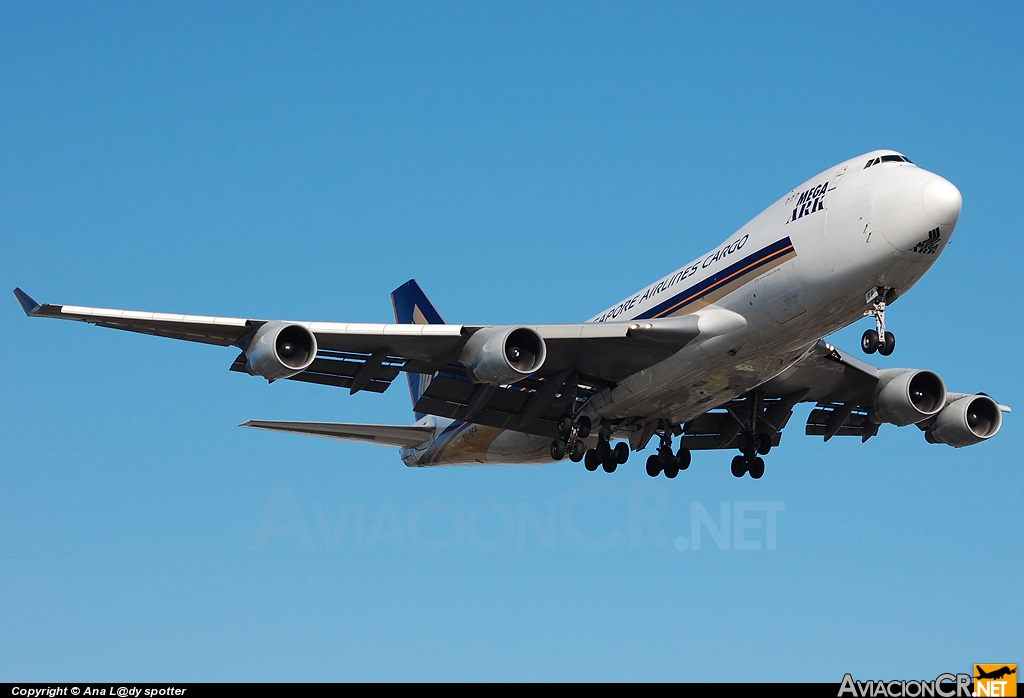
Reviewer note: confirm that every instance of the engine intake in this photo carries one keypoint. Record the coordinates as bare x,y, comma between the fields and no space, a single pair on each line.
500,356
280,350
908,396
966,421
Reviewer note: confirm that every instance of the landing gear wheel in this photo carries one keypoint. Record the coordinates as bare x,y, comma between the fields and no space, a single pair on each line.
665,457
757,468
653,465
683,458
591,461
869,341
671,471
764,443
747,442
890,344
558,447
579,450
621,452
564,425
609,465
583,427
739,466
603,449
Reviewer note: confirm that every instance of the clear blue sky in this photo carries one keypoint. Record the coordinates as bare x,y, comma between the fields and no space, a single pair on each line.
525,162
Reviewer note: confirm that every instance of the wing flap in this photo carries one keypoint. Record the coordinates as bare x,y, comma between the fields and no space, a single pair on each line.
720,427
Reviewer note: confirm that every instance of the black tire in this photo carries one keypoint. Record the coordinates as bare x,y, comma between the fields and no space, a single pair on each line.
609,465
583,427
739,466
564,425
683,458
764,444
558,447
579,451
757,468
665,457
603,449
890,344
671,472
869,341
590,460
621,452
653,465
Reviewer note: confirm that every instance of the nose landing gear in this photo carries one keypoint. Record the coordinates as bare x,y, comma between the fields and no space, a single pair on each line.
878,339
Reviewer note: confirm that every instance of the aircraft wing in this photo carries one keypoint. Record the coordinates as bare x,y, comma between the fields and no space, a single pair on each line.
825,373
842,385
581,357
843,388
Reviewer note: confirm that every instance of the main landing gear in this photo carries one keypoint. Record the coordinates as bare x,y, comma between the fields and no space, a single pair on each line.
570,441
878,339
753,443
604,455
664,461
749,461
571,434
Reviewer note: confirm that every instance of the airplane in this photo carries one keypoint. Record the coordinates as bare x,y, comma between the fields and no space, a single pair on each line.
996,674
715,354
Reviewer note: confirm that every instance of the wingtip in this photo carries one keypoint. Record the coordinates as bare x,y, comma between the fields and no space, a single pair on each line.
28,304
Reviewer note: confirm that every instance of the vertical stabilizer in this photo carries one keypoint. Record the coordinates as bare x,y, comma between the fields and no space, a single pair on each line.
412,307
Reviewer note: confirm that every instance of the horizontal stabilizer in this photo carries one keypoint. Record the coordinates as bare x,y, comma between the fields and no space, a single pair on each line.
400,435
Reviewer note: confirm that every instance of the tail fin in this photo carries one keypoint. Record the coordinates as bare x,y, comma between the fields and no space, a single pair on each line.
413,307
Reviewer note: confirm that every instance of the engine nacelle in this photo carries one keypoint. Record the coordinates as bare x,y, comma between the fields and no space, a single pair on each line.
503,355
280,350
966,421
908,396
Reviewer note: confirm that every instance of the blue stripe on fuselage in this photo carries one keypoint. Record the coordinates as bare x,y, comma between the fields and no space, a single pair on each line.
734,271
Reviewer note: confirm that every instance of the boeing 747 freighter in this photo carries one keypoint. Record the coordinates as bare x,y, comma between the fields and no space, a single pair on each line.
715,355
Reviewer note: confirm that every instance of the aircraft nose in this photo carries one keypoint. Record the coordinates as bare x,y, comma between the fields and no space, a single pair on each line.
942,201
913,206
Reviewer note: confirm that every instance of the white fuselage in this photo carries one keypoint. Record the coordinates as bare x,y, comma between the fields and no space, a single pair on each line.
797,272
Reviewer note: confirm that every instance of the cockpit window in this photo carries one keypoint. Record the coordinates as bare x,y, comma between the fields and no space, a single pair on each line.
887,158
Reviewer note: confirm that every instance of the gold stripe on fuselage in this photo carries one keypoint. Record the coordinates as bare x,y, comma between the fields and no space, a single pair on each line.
725,286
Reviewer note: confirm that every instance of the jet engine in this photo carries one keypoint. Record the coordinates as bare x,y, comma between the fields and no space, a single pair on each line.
966,421
908,396
280,350
503,355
